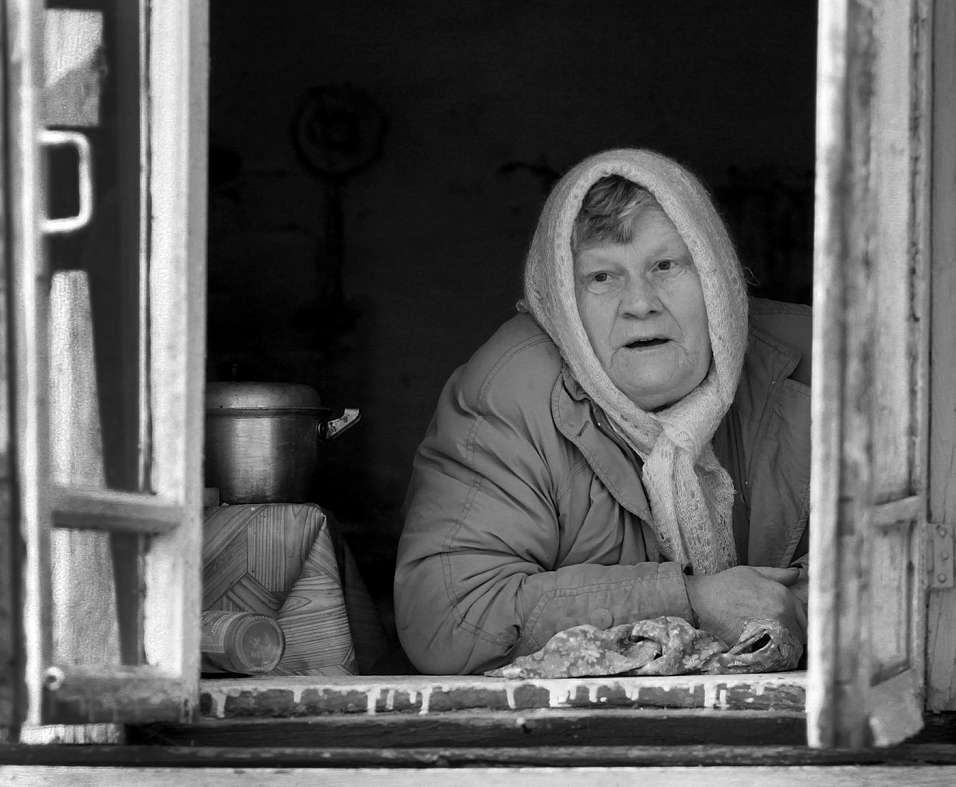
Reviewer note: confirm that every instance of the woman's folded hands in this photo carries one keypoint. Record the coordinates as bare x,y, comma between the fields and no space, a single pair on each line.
725,602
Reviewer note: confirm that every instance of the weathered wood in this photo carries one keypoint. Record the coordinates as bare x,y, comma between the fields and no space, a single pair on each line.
178,79
85,625
867,589
9,615
484,728
718,776
941,631
895,512
170,615
106,693
29,284
111,510
384,695
435,757
890,711
834,197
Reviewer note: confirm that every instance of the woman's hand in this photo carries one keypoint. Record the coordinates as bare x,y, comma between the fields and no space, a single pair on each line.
724,602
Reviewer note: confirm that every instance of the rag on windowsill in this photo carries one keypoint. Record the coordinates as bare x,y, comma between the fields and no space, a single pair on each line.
659,646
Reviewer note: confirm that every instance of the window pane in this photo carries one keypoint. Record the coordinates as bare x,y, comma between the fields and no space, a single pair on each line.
92,86
98,419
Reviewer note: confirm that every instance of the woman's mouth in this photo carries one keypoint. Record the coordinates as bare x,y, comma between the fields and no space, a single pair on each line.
646,344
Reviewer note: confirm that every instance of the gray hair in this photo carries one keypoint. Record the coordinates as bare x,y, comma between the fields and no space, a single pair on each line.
609,211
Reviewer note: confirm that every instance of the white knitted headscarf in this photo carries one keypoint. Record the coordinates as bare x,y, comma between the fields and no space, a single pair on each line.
691,495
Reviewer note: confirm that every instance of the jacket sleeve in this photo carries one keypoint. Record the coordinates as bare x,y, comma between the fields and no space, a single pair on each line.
478,581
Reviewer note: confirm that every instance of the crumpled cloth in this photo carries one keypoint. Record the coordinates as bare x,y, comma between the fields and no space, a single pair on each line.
658,646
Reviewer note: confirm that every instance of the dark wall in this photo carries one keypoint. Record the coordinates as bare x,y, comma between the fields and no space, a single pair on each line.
485,103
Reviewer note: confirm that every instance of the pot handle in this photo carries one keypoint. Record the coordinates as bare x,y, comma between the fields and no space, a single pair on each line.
335,427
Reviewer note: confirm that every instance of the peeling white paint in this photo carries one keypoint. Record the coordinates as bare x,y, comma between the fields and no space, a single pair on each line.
711,692
373,695
632,691
218,704
426,698
710,695
510,696
559,692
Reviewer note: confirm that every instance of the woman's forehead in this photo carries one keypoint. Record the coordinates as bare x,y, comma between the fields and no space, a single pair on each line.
652,233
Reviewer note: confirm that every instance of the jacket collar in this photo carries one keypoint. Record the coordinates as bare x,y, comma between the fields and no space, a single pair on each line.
584,424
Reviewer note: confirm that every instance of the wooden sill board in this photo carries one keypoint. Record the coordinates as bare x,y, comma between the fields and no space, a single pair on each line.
718,776
565,757
291,697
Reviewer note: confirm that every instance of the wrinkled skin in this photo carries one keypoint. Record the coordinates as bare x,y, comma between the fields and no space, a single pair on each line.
642,307
724,602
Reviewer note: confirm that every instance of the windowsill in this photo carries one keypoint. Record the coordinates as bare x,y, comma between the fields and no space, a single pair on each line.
290,697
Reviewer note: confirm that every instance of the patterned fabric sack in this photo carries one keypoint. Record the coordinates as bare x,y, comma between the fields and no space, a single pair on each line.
278,559
660,646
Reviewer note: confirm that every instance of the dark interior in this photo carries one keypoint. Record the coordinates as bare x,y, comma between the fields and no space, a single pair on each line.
376,171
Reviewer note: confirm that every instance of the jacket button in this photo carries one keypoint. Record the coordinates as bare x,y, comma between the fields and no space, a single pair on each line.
601,619
565,623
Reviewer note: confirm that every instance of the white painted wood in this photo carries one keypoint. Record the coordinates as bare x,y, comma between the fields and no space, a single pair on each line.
29,281
888,216
941,614
867,531
106,509
892,513
85,623
178,62
782,692
85,626
176,138
892,716
717,776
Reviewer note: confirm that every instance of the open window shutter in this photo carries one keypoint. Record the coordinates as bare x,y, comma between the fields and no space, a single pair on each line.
868,499
941,631
10,681
81,534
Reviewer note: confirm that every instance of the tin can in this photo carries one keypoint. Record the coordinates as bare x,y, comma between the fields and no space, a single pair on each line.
242,642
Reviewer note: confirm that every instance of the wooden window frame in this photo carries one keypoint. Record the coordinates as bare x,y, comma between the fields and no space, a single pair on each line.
178,190
173,173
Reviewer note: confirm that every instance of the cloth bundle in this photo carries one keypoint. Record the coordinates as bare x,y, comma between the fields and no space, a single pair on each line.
659,646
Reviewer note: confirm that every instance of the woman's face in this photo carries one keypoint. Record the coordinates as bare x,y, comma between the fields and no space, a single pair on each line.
643,310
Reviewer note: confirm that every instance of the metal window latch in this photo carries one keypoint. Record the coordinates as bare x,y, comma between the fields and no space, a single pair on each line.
941,555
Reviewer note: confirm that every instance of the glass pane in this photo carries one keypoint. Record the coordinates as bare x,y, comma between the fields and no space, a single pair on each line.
92,86
98,423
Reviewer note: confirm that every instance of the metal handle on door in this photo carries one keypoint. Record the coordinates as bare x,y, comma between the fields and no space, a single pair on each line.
82,218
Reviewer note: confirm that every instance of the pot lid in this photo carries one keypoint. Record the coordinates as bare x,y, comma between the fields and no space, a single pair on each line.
261,396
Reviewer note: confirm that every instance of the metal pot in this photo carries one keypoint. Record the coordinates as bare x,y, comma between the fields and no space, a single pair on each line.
262,440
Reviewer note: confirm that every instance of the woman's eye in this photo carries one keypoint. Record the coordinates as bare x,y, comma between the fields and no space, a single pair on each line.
601,283
665,265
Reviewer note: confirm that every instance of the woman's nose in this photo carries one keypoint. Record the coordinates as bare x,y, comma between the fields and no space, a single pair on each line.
640,298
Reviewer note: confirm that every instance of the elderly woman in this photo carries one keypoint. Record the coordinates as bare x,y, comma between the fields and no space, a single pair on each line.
634,443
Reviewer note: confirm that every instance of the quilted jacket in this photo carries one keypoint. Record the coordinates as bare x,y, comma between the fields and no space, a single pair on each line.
525,516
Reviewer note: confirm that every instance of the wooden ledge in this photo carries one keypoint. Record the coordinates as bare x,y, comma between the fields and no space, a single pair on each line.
289,697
